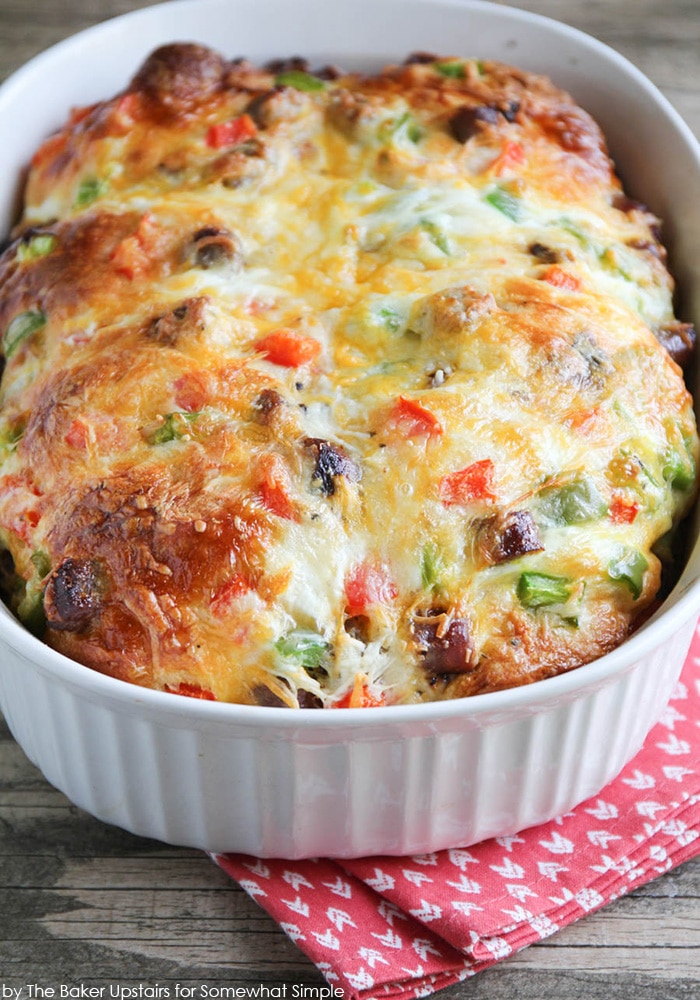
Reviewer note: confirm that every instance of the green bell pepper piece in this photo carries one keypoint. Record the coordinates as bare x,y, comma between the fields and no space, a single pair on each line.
308,648
21,328
505,202
537,590
574,503
37,246
300,80
454,70
628,567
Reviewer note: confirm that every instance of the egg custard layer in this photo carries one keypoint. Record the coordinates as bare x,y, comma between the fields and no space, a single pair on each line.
335,390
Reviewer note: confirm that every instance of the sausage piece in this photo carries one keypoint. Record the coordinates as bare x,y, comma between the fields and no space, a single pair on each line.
466,123
508,536
188,319
679,340
331,461
444,648
214,247
176,78
73,595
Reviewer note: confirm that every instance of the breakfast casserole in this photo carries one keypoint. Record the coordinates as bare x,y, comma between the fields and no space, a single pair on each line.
329,390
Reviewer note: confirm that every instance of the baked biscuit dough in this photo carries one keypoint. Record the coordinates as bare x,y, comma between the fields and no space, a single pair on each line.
328,389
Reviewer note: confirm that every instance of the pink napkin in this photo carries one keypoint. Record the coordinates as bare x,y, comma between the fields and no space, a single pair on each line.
406,927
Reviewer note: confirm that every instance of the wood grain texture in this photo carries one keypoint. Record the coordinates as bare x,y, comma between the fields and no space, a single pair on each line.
84,902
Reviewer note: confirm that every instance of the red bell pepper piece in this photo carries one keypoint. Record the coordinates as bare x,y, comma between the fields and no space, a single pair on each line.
512,155
622,510
77,435
191,391
231,133
236,586
560,278
413,419
273,491
475,482
132,256
191,691
288,348
366,585
361,696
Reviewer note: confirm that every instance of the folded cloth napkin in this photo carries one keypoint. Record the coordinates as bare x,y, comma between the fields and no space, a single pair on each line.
406,927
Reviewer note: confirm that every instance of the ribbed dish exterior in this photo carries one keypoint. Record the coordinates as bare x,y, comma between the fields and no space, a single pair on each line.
344,791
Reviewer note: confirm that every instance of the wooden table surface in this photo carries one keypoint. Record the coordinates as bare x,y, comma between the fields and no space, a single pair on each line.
82,902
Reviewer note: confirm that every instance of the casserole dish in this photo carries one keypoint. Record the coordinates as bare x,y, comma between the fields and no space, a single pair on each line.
404,780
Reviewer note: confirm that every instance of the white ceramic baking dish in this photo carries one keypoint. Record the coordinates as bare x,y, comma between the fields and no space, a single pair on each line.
294,783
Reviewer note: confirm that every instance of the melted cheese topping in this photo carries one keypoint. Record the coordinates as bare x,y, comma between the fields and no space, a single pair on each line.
337,391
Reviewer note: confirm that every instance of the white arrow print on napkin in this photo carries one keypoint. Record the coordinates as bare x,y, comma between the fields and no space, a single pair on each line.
518,915
293,932
497,946
339,888
649,809
389,911
339,918
680,691
424,948
252,888
674,746
640,781
295,879
424,859
588,899
415,973
601,838
675,773
427,912
678,829
623,867
520,892
415,878
327,939
558,844
390,939
460,859
360,980
509,869
257,869
426,990
671,716
566,897
465,885
603,810
559,820
327,971
371,957
543,925
550,869
297,906
659,853
464,907
380,881
610,865
507,842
